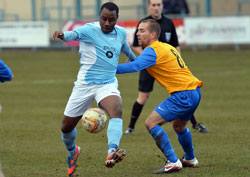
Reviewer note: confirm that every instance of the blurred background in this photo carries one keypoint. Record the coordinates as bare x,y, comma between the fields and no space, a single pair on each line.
223,22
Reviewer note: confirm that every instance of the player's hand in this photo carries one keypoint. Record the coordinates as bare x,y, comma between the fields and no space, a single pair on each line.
128,60
58,34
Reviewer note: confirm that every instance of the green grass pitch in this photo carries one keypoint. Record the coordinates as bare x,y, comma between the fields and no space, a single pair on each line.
33,105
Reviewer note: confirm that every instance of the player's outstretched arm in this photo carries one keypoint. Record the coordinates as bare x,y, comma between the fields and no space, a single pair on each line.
5,72
58,34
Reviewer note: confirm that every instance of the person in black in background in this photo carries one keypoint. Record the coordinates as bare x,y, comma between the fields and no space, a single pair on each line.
146,81
175,7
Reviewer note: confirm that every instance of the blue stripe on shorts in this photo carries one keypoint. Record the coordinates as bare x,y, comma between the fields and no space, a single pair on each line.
179,105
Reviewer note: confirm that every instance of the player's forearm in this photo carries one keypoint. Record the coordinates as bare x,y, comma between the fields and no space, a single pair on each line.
141,62
5,72
127,68
129,53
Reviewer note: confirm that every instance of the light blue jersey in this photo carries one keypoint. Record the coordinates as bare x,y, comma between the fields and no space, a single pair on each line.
99,52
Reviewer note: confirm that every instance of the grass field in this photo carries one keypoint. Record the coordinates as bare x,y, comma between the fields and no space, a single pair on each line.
33,105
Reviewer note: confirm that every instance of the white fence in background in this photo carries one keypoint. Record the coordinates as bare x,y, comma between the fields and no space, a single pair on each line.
217,30
190,31
24,34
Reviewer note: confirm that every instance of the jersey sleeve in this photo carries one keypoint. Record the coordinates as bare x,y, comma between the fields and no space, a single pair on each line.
145,60
125,47
5,72
70,36
84,33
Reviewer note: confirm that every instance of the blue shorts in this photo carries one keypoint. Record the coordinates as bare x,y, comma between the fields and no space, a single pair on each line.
180,105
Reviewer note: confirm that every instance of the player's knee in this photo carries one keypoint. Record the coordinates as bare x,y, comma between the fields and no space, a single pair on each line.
149,124
178,127
65,129
116,112
142,98
68,124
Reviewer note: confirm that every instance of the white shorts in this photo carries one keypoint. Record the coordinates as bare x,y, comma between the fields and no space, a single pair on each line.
82,97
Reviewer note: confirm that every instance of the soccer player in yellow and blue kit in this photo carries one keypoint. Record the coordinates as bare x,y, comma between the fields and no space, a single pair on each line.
165,64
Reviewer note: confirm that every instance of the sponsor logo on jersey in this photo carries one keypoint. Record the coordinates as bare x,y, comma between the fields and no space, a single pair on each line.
109,54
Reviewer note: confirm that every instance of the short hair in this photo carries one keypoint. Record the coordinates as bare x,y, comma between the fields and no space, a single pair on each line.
153,26
149,1
110,6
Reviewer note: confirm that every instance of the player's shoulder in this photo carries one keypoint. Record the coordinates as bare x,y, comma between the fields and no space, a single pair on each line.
93,25
159,44
120,29
89,28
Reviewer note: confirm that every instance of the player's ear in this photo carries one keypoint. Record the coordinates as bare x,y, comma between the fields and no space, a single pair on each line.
153,35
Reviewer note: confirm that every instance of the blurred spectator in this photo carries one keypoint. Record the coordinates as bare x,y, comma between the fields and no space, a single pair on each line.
175,7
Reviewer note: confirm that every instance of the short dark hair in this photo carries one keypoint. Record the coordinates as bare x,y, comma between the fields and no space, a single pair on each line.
110,6
153,26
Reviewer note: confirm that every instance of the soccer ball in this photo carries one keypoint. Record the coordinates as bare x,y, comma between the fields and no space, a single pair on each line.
94,120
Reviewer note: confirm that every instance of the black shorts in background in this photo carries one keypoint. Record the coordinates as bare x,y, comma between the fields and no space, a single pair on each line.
146,81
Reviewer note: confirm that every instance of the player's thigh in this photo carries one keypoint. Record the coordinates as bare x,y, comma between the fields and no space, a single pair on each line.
80,100
146,81
108,98
154,119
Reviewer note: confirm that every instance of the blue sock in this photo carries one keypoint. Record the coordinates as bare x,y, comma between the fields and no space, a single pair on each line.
69,141
114,133
185,139
162,141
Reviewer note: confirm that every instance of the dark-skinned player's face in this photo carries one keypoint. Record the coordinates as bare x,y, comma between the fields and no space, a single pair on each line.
108,20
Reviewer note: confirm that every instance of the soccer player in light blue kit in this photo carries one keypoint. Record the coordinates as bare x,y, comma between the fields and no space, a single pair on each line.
100,46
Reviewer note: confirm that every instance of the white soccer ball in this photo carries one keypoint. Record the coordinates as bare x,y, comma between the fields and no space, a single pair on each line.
94,120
